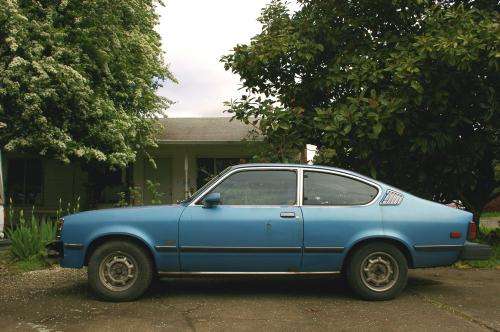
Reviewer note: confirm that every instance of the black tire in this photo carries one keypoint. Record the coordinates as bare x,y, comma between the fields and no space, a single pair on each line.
369,269
108,265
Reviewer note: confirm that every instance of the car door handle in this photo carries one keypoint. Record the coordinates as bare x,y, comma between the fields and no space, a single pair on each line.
287,214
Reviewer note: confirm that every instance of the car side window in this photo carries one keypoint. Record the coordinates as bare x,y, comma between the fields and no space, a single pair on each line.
259,187
331,189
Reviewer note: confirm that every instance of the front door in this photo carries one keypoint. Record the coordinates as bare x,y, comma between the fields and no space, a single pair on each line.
257,227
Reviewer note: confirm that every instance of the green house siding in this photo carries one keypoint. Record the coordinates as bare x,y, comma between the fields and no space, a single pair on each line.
70,182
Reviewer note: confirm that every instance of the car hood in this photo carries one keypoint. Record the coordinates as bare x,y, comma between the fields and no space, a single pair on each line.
128,214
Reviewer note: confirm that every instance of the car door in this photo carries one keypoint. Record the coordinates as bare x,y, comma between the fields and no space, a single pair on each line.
338,209
256,227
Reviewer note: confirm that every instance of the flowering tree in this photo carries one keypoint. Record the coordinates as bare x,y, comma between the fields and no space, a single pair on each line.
78,79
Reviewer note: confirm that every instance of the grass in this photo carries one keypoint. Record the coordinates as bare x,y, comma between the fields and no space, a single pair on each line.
491,237
493,214
8,265
30,265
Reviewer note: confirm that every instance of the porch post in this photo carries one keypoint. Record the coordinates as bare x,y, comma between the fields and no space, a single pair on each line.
2,215
186,175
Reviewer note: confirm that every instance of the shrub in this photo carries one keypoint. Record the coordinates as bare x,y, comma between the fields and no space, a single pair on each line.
29,239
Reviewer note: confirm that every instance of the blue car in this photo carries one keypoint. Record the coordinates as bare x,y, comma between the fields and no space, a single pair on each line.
268,219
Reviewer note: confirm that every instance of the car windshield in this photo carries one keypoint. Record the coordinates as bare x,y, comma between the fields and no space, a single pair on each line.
205,186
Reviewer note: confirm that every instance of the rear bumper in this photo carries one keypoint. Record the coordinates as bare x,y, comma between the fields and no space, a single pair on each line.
475,251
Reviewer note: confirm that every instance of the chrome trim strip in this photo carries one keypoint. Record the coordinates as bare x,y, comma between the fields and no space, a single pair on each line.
226,273
240,249
438,247
254,206
322,250
249,168
166,248
73,246
300,186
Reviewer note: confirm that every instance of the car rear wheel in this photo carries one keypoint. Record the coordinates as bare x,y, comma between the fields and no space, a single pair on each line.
377,271
119,271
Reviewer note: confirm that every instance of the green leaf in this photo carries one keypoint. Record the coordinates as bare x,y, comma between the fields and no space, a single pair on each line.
329,153
377,129
400,127
416,86
284,125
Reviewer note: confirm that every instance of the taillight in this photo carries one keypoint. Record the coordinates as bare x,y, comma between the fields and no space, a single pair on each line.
472,231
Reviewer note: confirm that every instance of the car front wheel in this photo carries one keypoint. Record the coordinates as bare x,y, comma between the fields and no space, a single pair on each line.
119,271
377,271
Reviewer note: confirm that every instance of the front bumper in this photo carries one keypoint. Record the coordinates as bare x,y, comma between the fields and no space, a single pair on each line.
56,249
475,251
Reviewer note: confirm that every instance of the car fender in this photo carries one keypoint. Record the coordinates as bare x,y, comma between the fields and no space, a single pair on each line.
120,230
371,236
75,258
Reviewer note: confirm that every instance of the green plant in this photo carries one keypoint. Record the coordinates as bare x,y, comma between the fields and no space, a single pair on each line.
29,239
76,209
156,195
135,195
29,265
11,212
69,208
59,210
122,199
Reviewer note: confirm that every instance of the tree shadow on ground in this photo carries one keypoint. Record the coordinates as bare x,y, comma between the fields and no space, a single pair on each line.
264,287
256,286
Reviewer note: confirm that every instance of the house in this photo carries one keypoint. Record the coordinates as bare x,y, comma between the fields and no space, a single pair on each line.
190,151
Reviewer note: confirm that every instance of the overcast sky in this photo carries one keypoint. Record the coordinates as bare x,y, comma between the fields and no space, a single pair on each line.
195,34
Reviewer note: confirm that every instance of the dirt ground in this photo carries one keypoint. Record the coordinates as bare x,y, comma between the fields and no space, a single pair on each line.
441,299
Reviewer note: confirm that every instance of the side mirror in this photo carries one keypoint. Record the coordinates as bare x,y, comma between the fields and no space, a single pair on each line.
211,200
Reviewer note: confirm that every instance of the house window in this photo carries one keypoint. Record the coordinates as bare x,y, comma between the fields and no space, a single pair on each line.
209,167
24,181
108,183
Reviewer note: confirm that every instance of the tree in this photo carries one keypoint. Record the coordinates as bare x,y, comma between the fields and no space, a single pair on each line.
78,79
406,91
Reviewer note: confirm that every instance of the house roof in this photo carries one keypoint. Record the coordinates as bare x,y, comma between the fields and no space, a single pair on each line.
204,130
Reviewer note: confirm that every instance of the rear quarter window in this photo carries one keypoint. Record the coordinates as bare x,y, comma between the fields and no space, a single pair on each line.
332,189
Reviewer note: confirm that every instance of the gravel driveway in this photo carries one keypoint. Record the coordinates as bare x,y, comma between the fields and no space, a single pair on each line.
441,299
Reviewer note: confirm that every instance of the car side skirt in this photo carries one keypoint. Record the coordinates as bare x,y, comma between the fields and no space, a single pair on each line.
249,249
238,273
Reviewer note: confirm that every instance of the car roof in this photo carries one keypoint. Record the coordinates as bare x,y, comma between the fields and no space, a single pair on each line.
305,166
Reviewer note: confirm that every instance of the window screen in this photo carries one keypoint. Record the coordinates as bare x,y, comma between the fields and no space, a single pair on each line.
259,188
331,189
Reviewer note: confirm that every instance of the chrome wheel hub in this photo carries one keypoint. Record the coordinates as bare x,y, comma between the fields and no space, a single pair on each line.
118,271
379,271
